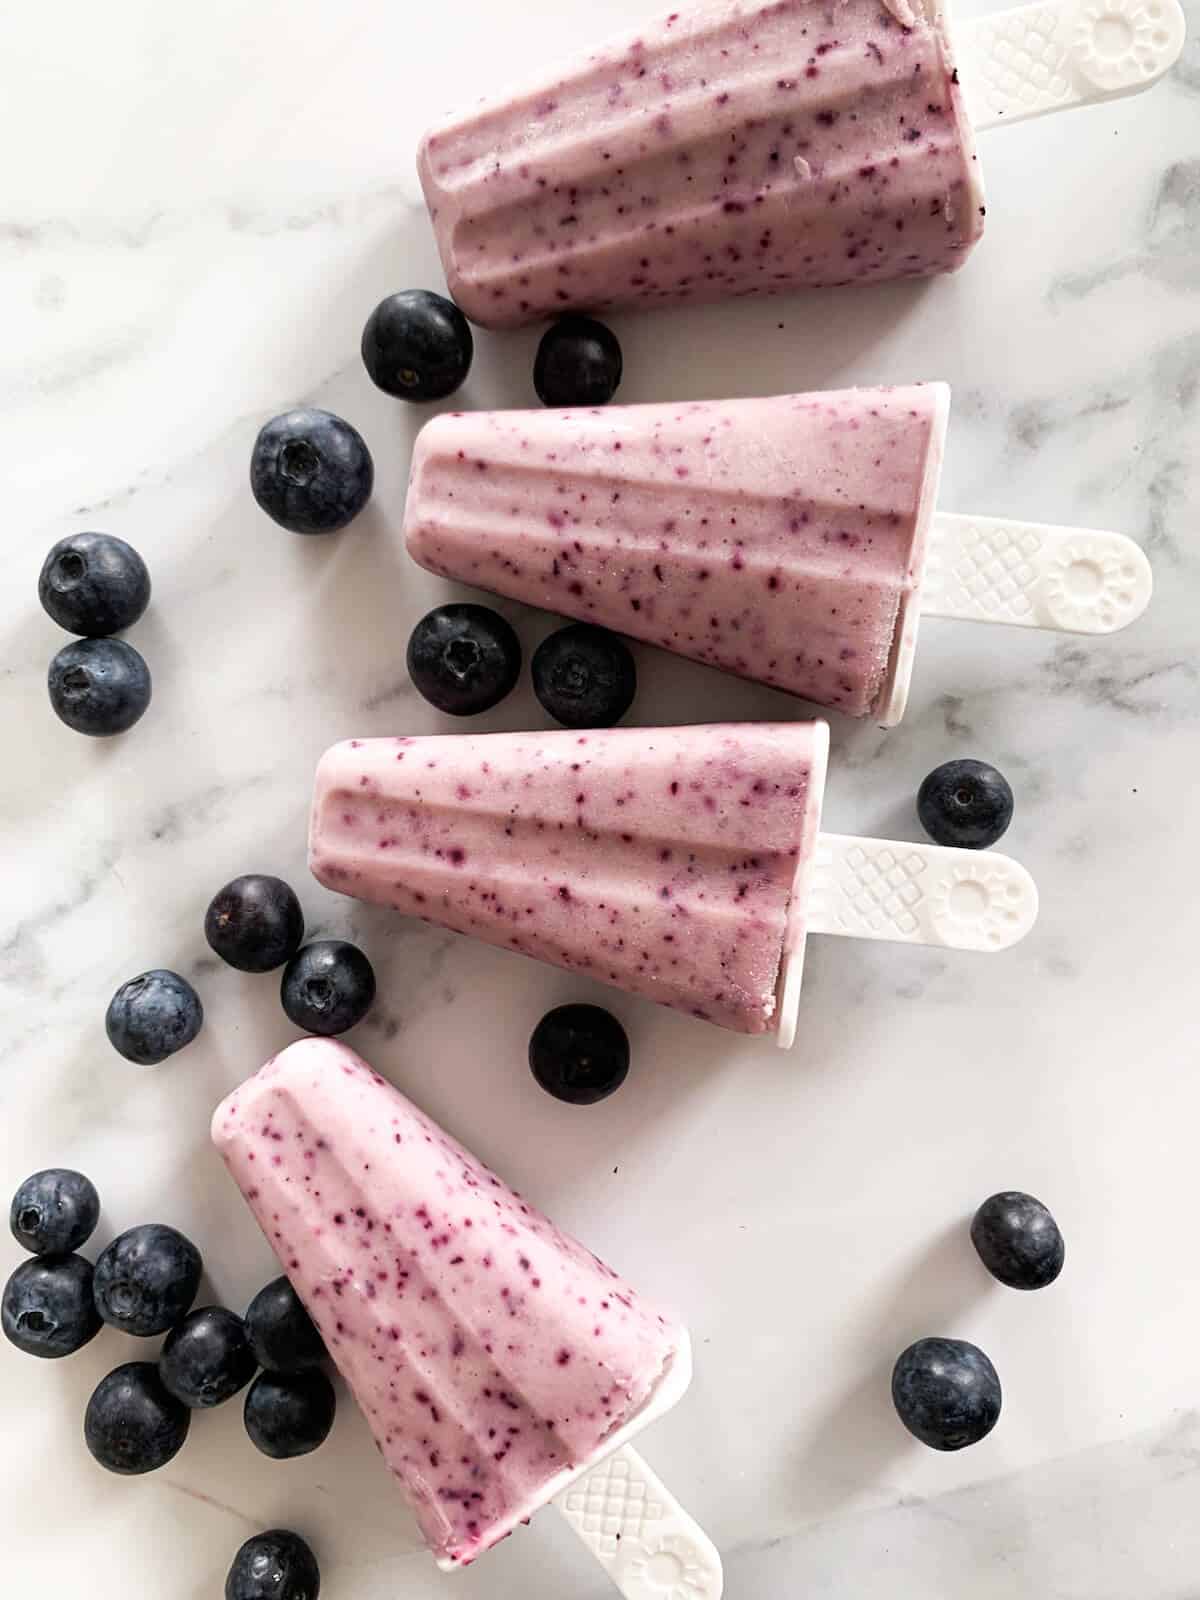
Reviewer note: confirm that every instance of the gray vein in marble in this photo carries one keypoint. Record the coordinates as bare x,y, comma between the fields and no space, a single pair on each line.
1170,254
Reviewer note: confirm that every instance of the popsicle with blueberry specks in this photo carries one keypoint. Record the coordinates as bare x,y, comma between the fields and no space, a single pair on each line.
684,865
499,1364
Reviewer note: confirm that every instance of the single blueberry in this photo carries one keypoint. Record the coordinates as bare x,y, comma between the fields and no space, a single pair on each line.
54,1212
417,345
584,676
152,1016
327,986
578,363
207,1358
132,1424
289,1414
946,1393
310,471
147,1279
967,804
579,1053
100,687
255,923
94,584
282,1334
464,658
276,1565
1018,1240
48,1309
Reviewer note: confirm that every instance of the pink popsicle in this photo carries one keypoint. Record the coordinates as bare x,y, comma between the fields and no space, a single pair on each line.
672,862
782,539
493,1356
744,147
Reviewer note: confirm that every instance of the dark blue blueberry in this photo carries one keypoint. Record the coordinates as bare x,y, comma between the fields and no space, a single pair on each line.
99,686
327,986
48,1308
281,1332
965,803
464,658
255,923
289,1414
946,1393
94,584
417,345
147,1279
578,363
1018,1240
152,1016
207,1358
579,1054
274,1566
311,472
54,1212
584,676
132,1424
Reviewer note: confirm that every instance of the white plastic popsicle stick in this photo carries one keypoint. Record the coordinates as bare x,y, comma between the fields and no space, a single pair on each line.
994,569
1060,53
911,894
642,1537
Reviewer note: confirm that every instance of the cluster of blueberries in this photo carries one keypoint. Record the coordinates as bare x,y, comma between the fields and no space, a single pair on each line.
946,1391
254,924
144,1283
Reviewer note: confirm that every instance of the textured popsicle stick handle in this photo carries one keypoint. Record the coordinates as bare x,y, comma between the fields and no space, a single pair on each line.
992,569
919,894
1060,53
640,1535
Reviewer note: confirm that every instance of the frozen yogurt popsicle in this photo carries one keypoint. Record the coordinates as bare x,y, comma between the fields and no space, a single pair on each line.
755,146
779,538
492,1355
743,147
792,540
668,861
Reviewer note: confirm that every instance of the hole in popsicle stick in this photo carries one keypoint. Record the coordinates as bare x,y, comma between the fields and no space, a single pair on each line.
1083,580
968,901
664,1569
1112,37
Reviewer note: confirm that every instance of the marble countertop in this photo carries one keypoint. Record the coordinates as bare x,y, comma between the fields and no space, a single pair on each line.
201,207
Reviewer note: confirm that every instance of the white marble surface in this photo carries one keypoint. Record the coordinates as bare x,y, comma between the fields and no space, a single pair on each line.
201,205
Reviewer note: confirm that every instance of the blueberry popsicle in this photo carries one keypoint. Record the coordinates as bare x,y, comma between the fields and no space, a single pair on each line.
493,1356
792,540
671,862
743,147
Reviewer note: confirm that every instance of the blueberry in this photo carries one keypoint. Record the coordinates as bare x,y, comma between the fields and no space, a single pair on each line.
584,676
48,1308
277,1565
579,1054
464,658
327,986
946,1393
132,1424
965,803
99,686
1018,1240
417,345
311,472
54,1212
94,584
152,1016
289,1414
255,923
281,1332
207,1358
578,363
147,1279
